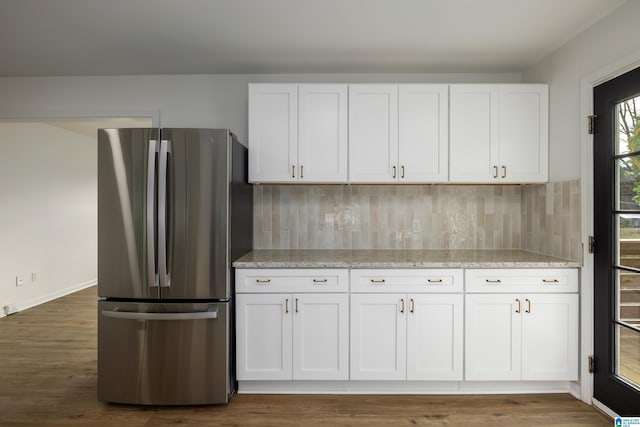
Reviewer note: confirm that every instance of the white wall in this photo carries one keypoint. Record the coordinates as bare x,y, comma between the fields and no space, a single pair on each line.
608,41
48,215
182,101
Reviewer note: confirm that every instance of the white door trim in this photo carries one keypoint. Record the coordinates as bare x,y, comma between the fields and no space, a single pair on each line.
587,84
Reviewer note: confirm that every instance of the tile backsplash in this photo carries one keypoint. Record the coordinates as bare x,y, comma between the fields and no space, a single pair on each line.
551,221
542,218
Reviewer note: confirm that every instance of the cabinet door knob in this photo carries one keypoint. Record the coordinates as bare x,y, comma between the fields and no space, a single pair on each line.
297,305
504,171
301,171
528,310
402,305
293,171
286,305
518,309
495,171
402,176
394,171
412,306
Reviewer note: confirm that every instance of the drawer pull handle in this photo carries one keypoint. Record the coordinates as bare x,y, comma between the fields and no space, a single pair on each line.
493,281
319,280
528,310
434,280
263,280
402,306
377,281
286,306
413,306
518,309
297,305
550,281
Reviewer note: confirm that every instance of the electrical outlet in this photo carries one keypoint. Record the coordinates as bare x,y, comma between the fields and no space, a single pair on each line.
34,277
19,281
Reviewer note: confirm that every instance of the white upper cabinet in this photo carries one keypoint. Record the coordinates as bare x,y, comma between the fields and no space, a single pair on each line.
273,132
423,139
498,133
322,133
398,133
473,132
373,133
524,133
298,133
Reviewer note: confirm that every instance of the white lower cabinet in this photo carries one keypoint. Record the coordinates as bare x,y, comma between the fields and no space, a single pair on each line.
521,336
394,325
285,336
263,337
378,337
405,336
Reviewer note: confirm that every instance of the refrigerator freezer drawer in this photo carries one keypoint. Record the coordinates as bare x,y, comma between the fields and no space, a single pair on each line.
164,354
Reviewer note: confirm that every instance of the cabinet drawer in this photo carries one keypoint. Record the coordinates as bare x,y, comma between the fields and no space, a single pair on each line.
521,280
409,281
291,280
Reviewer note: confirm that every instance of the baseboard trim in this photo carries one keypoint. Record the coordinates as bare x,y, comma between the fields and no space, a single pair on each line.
403,387
41,299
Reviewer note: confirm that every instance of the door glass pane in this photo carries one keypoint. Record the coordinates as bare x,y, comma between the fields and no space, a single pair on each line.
628,138
628,188
628,360
628,298
629,240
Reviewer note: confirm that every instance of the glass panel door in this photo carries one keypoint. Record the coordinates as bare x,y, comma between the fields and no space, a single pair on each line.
617,232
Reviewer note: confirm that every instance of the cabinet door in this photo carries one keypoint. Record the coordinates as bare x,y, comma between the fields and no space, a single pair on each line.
322,133
493,337
434,337
273,132
473,133
378,336
373,133
550,337
263,329
423,133
320,337
524,116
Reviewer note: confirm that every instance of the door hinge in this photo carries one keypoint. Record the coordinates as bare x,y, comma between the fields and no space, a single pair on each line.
592,364
592,244
591,120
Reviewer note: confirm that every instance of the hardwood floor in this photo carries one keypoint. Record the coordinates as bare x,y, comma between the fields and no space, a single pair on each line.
48,378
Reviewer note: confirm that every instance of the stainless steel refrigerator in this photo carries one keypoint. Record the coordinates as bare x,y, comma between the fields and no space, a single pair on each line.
174,211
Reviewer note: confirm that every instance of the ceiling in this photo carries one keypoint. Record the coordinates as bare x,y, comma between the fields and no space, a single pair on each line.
116,37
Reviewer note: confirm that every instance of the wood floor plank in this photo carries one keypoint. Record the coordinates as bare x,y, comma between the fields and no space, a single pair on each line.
48,360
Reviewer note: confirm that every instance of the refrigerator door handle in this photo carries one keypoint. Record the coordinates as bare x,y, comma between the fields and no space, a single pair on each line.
152,275
211,313
162,214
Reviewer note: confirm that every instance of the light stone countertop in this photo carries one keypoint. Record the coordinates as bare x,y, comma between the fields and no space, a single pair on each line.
399,258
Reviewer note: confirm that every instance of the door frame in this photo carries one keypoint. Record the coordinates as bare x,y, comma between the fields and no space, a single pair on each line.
587,84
